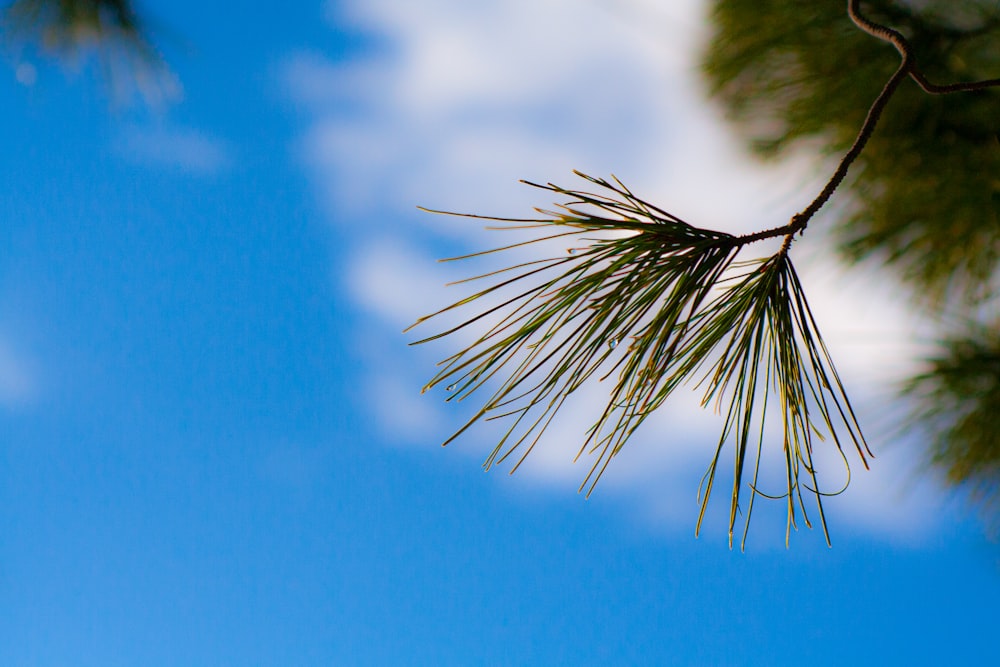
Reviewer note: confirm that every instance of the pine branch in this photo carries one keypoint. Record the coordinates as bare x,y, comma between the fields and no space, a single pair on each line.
111,30
907,68
658,303
909,62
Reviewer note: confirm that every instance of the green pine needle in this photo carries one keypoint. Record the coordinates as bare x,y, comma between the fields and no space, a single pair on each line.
655,304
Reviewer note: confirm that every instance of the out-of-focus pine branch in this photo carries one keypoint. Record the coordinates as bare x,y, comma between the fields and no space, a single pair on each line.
957,404
110,31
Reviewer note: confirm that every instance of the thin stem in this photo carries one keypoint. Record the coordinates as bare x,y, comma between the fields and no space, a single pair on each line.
895,38
801,220
907,68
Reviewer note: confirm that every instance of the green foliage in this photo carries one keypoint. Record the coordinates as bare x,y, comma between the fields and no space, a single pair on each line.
925,192
650,302
925,196
659,303
958,401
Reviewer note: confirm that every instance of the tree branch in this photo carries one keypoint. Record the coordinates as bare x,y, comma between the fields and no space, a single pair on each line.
896,38
907,68
654,302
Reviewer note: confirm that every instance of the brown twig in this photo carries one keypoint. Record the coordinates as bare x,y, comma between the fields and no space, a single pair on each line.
907,68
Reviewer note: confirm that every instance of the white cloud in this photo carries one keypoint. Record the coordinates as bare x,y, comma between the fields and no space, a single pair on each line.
393,281
461,99
182,150
472,96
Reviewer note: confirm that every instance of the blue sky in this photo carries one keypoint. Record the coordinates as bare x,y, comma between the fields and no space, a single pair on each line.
214,447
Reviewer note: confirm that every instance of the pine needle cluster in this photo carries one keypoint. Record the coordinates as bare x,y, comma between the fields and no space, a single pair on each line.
646,302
